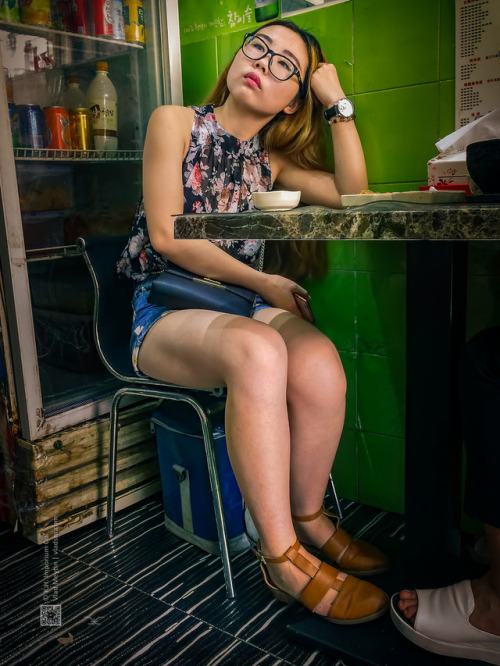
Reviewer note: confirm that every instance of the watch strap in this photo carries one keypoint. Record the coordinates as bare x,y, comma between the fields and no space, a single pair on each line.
331,112
340,119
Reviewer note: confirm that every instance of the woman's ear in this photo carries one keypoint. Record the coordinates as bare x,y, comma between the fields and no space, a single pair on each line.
293,106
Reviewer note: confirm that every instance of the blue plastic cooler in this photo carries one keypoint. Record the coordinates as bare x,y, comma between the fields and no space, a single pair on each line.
187,497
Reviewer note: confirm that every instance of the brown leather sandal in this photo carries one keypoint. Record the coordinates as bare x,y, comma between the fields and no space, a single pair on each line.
352,556
357,600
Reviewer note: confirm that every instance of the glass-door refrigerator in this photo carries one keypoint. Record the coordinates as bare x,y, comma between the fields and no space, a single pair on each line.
50,196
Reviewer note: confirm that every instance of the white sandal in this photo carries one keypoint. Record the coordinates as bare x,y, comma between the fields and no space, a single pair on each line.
442,624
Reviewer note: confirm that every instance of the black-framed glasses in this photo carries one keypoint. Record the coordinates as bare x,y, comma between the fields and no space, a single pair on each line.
281,67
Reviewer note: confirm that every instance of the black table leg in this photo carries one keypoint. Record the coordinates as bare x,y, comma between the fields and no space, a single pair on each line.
436,314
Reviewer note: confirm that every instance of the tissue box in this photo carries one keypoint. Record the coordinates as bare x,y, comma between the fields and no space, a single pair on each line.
450,166
448,170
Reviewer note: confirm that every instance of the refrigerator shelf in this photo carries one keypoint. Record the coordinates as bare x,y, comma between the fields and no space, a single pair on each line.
53,155
51,253
94,47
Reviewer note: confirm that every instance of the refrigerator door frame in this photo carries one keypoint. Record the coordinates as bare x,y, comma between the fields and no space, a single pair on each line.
171,54
163,42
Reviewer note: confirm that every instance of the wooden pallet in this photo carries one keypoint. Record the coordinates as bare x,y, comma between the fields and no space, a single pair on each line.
61,480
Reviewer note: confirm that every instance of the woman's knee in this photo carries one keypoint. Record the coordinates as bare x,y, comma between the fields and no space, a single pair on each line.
256,351
315,366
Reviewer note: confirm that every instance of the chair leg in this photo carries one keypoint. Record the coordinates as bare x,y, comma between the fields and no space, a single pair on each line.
216,497
334,493
113,448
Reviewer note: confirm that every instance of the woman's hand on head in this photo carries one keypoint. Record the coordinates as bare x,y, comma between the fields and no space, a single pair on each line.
325,84
279,292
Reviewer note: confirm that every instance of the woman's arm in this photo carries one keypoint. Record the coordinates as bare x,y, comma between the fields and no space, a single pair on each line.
166,145
320,187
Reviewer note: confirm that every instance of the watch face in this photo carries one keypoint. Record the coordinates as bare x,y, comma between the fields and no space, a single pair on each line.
345,107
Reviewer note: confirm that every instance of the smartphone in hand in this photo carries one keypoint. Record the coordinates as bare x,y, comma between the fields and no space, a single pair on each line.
304,308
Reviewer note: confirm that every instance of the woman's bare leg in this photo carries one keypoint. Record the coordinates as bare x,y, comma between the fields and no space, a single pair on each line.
316,407
203,349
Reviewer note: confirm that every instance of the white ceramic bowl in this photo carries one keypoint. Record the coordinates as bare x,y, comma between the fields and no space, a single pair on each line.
276,200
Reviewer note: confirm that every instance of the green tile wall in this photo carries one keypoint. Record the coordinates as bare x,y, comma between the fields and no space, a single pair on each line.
396,44
195,89
396,58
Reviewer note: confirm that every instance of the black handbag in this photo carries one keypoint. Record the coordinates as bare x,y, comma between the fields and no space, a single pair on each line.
179,289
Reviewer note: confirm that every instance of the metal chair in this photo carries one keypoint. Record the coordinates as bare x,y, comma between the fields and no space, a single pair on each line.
112,326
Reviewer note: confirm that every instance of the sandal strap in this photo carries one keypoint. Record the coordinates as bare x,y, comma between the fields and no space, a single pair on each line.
312,516
325,579
338,544
317,514
291,555
288,555
301,562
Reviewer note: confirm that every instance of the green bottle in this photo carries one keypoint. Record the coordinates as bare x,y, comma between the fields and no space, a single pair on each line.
265,10
9,11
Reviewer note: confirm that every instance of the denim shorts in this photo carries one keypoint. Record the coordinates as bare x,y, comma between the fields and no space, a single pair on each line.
146,314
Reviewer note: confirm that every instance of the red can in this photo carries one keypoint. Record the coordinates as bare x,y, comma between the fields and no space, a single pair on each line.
103,18
80,18
57,123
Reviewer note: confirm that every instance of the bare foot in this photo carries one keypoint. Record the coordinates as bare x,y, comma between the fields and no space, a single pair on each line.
486,613
408,604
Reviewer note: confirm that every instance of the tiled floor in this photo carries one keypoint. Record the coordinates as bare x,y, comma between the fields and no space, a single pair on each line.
146,597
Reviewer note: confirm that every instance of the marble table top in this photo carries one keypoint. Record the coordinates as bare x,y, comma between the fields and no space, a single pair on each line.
383,220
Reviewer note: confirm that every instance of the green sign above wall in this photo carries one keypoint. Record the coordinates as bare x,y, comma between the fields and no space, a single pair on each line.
202,20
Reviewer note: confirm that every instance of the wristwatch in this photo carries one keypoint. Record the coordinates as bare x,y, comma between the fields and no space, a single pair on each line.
342,111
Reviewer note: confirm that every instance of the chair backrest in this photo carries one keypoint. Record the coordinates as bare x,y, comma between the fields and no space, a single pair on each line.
112,309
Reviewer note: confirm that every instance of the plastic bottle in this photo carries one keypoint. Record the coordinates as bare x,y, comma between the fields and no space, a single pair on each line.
265,10
9,11
73,97
101,101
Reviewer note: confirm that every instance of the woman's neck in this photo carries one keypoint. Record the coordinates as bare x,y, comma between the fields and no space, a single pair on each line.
241,122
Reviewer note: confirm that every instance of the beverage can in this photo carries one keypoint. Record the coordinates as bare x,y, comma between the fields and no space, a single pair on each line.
14,124
36,12
31,126
133,18
57,124
61,15
80,124
118,25
63,50
80,17
9,11
103,18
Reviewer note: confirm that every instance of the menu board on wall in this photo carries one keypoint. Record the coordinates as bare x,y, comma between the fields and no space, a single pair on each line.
477,59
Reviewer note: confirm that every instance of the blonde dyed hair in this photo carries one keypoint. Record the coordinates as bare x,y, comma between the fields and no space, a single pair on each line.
299,136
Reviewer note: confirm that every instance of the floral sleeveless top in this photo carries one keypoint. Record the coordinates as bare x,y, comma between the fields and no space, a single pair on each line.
220,172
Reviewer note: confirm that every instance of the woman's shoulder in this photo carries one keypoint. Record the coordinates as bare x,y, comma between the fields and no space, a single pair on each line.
276,161
172,114
169,126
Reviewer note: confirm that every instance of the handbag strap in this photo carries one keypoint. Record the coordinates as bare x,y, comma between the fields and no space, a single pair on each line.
261,256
